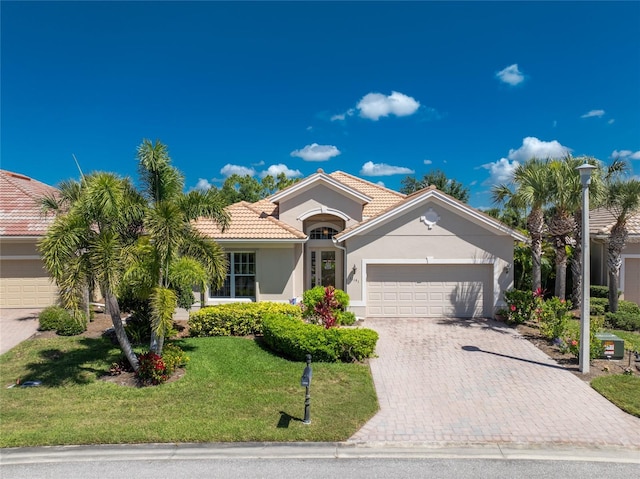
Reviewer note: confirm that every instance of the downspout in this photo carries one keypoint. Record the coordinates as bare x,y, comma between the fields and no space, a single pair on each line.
344,263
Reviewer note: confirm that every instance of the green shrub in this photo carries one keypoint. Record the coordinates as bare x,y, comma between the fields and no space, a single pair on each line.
174,357
295,339
313,296
72,323
357,344
626,318
596,291
553,316
138,328
520,305
236,319
49,318
598,306
596,348
345,318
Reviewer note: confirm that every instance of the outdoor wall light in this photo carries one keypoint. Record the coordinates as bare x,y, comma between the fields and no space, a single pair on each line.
354,269
507,268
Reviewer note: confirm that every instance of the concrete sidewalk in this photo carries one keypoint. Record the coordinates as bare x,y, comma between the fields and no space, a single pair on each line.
16,325
447,381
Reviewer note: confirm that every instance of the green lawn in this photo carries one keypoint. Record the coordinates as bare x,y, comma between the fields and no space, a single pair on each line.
233,391
621,390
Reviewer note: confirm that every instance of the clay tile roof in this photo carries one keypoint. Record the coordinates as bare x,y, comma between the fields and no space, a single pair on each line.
382,198
20,213
601,220
249,222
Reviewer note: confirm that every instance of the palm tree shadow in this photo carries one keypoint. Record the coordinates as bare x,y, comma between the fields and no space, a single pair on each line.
477,349
58,367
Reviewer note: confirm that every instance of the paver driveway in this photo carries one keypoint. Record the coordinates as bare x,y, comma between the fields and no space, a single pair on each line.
476,381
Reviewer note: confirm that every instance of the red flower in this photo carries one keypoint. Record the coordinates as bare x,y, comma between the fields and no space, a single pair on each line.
513,307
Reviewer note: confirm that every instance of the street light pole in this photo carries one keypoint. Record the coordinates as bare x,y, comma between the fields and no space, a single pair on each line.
585,171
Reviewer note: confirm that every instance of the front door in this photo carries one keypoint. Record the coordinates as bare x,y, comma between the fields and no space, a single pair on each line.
323,265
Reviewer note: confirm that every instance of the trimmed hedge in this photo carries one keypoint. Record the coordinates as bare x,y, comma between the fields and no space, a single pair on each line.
598,306
596,291
64,322
236,319
627,317
295,339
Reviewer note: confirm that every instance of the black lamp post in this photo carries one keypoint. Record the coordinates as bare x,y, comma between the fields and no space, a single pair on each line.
306,382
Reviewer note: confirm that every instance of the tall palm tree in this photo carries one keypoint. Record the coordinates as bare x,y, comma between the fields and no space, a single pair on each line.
623,201
532,190
88,238
181,256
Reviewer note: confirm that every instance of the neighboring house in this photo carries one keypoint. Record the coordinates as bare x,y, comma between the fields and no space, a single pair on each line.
23,281
600,223
422,255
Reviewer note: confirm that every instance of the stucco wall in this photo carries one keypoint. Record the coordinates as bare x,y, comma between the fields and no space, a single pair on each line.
454,239
317,197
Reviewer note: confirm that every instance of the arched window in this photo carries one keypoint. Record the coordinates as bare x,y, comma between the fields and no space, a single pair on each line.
323,232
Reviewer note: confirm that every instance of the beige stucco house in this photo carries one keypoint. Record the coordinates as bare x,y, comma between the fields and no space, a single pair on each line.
600,223
422,255
24,283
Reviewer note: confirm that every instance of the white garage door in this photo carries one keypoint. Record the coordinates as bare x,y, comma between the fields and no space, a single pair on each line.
429,291
25,284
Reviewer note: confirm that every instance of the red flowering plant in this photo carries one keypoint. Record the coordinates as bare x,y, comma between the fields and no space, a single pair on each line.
152,369
327,308
521,305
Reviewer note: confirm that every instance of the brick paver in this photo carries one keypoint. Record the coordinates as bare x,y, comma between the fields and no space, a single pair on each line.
476,381
16,325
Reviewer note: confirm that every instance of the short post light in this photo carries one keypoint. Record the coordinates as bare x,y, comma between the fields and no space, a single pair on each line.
306,382
585,171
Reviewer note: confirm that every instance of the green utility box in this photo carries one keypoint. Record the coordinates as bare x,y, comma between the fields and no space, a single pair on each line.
613,345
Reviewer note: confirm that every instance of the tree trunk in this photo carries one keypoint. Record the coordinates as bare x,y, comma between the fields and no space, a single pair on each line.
111,303
617,240
561,271
535,226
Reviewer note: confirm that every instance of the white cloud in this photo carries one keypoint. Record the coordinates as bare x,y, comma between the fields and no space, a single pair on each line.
202,184
533,147
275,170
342,116
375,105
382,169
611,122
315,152
555,123
380,183
309,128
229,169
500,171
626,154
427,162
511,75
593,113
260,163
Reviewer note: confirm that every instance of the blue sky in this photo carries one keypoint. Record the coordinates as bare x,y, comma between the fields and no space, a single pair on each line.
379,90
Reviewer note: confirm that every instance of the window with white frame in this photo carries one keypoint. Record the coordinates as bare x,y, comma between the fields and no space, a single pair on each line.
323,232
241,277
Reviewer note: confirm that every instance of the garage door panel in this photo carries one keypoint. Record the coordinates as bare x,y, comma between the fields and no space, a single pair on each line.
25,284
428,290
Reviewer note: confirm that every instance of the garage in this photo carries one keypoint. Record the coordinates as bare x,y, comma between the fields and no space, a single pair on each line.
25,284
429,290
632,279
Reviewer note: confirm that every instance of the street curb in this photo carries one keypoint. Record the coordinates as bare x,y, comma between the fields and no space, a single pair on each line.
340,450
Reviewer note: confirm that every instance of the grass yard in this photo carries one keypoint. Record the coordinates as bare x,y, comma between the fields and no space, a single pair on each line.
621,390
233,391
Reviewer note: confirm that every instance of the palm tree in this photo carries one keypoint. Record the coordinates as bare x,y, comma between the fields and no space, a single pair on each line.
88,238
623,200
532,190
178,255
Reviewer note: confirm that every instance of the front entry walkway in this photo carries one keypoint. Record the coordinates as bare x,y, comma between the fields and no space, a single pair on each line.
448,381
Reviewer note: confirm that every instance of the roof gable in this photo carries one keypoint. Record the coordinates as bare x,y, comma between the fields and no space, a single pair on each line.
422,196
320,178
601,220
20,213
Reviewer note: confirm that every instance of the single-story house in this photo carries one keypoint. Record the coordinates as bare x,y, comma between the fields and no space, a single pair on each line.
24,283
600,223
420,255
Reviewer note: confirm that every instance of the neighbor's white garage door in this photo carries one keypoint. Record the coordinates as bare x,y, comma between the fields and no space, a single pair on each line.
632,279
429,291
25,284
